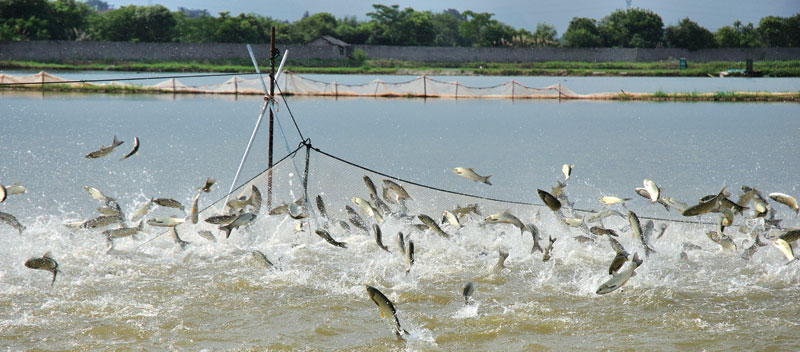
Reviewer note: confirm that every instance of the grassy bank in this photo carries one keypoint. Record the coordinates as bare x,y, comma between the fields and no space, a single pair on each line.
390,67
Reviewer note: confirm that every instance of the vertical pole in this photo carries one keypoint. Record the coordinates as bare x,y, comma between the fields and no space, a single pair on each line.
271,117
424,86
559,92
235,85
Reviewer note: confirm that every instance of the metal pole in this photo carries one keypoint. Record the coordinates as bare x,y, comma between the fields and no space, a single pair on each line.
271,116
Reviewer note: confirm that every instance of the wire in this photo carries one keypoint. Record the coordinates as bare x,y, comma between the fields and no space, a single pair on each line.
128,79
290,111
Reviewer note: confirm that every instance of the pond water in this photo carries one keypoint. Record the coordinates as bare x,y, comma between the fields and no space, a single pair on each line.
154,295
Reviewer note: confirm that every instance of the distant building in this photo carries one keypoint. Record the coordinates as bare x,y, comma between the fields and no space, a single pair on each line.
340,48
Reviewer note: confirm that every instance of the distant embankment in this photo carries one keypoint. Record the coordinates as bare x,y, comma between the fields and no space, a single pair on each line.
125,51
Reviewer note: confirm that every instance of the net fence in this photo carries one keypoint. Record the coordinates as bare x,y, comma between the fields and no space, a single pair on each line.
294,84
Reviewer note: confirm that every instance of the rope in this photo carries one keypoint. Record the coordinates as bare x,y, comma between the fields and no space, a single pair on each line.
127,79
290,111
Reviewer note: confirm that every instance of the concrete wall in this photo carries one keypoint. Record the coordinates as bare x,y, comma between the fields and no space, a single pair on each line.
87,50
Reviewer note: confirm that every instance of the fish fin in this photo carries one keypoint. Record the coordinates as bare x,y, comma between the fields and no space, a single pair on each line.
486,180
48,255
383,315
55,272
227,229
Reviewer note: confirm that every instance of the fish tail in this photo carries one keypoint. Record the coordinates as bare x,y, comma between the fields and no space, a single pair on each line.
55,272
536,247
486,180
227,229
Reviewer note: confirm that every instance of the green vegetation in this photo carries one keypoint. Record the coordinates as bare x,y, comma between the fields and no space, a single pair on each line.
386,25
361,65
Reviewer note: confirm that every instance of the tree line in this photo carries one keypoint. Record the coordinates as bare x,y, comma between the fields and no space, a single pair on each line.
387,25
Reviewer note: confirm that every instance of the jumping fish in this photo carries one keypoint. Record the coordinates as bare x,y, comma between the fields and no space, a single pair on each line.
343,224
790,235
379,237
672,202
620,278
506,218
134,150
760,206
662,229
611,200
704,206
321,206
636,227
451,218
14,189
46,262
722,239
206,188
427,220
102,221
327,237
535,234
261,258
785,248
169,203
373,192
602,214
367,208
241,220
572,221
142,210
401,244
386,192
501,260
549,249
469,173
785,199
3,193
567,171
599,231
619,260
469,288
207,235
173,233
386,309
463,211
123,231
548,199
652,189
409,255
356,219
221,219
645,194
398,190
254,200
167,221
193,213
558,190
748,253
96,194
103,151
297,211
12,221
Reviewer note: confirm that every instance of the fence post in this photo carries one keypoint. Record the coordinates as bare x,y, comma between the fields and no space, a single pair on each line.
235,85
424,86
559,92
456,89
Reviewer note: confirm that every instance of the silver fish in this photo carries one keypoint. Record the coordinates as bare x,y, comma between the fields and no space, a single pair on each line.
297,212
619,260
602,214
611,200
111,208
386,309
636,227
790,235
344,225
379,237
501,260
548,250
46,262
173,232
785,248
672,202
620,278
401,244
255,199
221,219
356,219
470,174
134,150
662,229
616,246
327,237
193,213
785,199
760,206
142,210
645,194
427,220
748,253
398,190
447,216
14,189
169,203
321,206
367,208
467,292
704,206
166,221
387,195
746,196
599,231
463,211
241,220
261,258
722,239
548,199
652,189
123,231
102,221
535,234
96,194
207,235
103,151
506,218
373,192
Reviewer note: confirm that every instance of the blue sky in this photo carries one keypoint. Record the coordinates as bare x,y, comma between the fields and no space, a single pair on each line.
711,14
